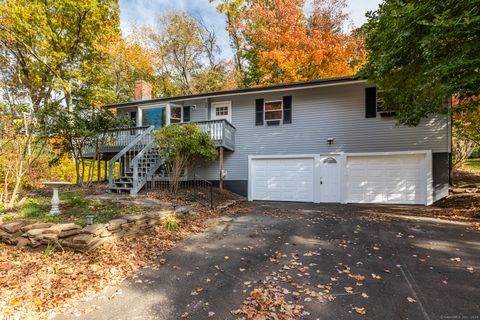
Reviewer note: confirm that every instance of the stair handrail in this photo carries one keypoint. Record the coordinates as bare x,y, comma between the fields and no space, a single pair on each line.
134,165
124,151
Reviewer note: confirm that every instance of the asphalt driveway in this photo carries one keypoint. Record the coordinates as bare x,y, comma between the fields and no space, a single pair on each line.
387,266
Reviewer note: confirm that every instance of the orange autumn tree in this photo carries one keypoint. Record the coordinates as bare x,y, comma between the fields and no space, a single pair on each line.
281,43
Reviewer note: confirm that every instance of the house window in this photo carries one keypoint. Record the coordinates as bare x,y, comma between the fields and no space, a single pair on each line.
132,116
329,160
153,116
273,112
221,111
380,102
175,114
381,109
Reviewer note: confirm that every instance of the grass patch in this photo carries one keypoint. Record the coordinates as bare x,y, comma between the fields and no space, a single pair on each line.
472,165
74,207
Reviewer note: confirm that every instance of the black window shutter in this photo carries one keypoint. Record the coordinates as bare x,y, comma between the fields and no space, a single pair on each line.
259,112
186,114
287,109
371,102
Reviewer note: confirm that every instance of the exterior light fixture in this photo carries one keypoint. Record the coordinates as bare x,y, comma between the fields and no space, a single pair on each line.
330,141
90,219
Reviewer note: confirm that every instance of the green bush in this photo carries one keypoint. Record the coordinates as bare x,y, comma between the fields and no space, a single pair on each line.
183,146
476,215
475,154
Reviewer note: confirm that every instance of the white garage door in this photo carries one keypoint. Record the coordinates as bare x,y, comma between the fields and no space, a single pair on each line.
386,179
282,179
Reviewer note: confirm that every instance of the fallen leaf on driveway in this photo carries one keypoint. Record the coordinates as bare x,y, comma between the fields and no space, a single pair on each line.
457,259
411,300
358,277
364,295
361,311
376,276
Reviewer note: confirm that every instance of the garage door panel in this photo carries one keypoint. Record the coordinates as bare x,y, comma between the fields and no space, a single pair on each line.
285,179
385,179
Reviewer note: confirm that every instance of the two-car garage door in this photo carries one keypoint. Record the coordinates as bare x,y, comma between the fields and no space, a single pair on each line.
390,179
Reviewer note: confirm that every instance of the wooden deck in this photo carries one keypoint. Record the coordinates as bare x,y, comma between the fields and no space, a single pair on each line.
221,131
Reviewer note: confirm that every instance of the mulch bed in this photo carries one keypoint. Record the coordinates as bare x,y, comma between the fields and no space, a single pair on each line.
465,177
219,196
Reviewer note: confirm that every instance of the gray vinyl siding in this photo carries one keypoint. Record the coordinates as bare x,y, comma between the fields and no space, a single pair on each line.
336,112
201,110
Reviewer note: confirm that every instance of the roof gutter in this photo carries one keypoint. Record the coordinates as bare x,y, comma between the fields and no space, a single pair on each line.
266,89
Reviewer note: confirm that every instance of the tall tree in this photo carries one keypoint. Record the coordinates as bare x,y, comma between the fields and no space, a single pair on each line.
49,57
188,54
421,53
129,60
283,44
234,11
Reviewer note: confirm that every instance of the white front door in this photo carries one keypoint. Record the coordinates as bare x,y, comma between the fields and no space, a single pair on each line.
222,110
329,179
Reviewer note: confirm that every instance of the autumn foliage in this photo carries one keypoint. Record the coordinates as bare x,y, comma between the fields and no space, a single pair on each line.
281,43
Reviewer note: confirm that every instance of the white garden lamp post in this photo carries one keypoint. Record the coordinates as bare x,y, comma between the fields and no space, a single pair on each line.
55,211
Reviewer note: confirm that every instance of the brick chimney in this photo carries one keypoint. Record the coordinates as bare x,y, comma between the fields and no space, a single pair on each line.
142,90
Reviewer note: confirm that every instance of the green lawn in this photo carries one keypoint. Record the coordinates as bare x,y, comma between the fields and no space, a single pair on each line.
473,165
74,207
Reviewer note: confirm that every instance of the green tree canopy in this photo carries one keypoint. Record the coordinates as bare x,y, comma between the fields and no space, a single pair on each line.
421,53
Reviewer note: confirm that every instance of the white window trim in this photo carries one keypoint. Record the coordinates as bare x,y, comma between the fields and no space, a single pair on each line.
264,111
213,106
170,112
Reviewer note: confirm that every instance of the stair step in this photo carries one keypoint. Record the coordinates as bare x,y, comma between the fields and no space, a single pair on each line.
120,188
121,183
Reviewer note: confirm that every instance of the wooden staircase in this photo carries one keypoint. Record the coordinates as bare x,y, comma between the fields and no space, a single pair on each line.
135,164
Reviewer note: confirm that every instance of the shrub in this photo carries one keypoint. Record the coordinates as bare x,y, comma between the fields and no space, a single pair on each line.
183,146
170,222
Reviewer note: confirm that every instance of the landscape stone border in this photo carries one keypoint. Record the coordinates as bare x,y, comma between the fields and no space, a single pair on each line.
23,233
69,235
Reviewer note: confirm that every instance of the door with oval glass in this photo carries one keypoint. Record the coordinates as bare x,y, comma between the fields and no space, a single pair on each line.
329,179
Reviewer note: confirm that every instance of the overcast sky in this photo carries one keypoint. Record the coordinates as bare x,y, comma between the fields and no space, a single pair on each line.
146,11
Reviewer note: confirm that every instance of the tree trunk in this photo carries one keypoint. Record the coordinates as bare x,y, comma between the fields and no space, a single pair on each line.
18,180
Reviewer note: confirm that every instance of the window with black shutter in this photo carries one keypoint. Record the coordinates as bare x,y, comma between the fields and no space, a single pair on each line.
287,109
371,102
259,112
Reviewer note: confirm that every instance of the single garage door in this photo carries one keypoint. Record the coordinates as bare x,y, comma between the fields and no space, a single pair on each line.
285,179
386,179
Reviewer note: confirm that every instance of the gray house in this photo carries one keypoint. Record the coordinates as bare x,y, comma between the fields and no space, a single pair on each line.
326,140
